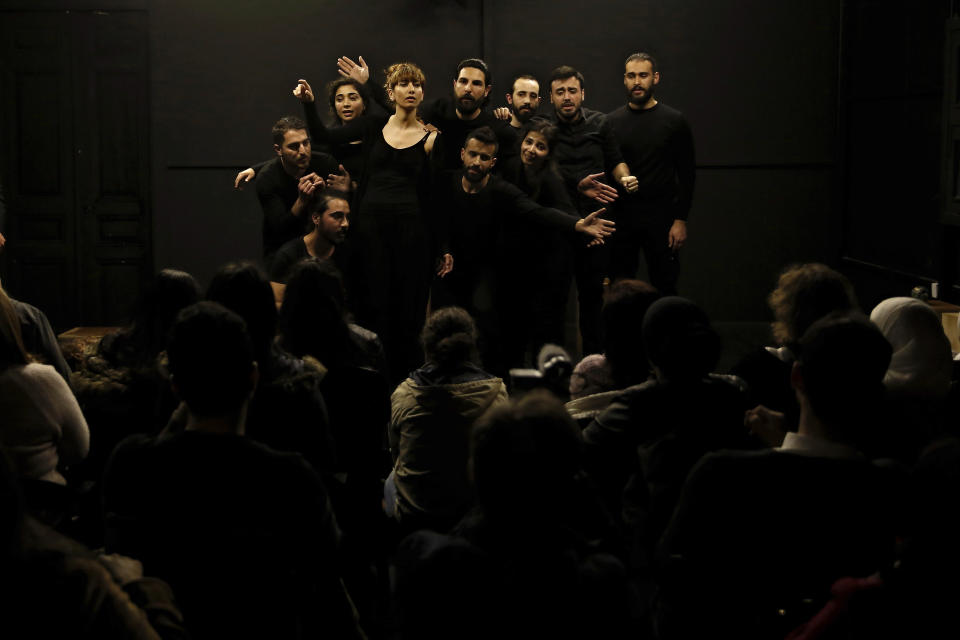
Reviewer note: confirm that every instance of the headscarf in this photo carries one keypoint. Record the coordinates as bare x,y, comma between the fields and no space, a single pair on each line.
922,362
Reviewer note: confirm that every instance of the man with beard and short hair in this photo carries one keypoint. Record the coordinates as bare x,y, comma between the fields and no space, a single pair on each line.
586,151
656,142
524,100
479,208
330,214
287,183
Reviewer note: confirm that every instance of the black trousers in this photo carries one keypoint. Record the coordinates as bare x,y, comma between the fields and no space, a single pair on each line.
645,230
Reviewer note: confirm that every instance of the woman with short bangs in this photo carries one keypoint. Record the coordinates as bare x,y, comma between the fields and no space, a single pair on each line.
390,274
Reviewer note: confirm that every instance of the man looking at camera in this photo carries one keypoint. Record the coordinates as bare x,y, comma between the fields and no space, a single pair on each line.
655,140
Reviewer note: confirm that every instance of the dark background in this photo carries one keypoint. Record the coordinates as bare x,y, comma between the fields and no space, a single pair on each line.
817,125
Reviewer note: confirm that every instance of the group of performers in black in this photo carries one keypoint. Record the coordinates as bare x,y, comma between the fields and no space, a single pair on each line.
494,211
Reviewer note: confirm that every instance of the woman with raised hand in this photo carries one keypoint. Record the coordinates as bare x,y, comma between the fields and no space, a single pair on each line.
390,275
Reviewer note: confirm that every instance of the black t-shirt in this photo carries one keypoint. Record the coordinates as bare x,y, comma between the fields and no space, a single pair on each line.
277,191
443,115
658,146
293,252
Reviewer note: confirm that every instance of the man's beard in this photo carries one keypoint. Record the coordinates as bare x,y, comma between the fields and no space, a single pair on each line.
522,116
468,104
642,99
474,177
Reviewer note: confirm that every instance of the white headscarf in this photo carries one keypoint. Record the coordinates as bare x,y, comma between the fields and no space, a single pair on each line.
922,362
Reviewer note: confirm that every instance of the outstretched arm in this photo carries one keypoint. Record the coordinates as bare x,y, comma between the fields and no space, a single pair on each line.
591,187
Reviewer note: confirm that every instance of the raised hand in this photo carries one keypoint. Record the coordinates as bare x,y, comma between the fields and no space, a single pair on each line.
446,265
350,69
243,178
599,191
302,91
501,113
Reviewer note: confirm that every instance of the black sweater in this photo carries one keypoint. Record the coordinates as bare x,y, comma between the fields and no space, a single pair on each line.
658,146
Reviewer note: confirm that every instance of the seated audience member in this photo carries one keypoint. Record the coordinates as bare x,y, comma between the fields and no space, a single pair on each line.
120,386
314,322
432,415
758,537
39,338
244,534
330,215
918,379
598,378
287,412
671,420
41,424
915,597
518,566
53,587
804,294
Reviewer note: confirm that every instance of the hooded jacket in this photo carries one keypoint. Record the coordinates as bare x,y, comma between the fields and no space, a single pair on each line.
431,420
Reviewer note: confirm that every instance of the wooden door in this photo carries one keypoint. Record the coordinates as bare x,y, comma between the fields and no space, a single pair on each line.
75,172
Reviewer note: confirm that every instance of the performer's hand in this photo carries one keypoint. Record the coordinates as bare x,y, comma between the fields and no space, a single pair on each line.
429,128
446,265
308,185
501,113
768,425
3,241
350,69
302,91
595,226
599,191
678,234
339,181
243,178
630,183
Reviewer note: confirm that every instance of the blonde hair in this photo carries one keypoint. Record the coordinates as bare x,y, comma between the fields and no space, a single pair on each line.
401,71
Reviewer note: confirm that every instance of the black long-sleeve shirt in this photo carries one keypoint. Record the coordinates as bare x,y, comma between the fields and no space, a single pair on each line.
658,146
473,225
442,114
582,148
278,191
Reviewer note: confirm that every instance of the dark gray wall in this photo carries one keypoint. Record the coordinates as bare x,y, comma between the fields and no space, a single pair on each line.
756,79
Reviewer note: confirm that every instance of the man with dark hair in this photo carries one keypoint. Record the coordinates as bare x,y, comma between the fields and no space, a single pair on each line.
286,184
759,537
524,100
244,534
330,215
479,209
586,151
656,142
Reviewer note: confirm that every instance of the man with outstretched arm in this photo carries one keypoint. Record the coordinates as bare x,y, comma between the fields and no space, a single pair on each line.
477,210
